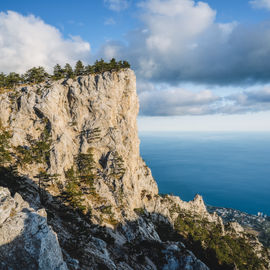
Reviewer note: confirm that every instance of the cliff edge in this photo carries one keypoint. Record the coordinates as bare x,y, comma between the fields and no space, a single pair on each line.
72,147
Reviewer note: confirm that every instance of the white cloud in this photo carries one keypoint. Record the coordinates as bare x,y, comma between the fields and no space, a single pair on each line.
117,5
174,24
180,40
114,50
260,4
163,100
177,101
27,41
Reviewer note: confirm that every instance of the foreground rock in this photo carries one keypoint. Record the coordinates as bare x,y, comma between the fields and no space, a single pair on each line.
26,240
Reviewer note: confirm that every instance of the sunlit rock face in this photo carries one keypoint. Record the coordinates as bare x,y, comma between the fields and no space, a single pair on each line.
26,240
97,112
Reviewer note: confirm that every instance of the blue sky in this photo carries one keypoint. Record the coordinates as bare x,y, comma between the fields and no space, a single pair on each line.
84,18
88,18
199,65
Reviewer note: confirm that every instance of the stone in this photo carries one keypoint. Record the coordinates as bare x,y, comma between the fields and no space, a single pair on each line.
26,240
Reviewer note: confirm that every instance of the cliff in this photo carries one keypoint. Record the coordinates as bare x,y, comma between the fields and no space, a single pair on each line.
71,147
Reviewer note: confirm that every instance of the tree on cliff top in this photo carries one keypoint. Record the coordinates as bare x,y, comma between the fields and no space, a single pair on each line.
38,74
79,68
58,72
68,71
35,75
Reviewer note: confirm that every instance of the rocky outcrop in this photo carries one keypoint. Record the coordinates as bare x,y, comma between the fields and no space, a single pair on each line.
26,240
97,112
75,151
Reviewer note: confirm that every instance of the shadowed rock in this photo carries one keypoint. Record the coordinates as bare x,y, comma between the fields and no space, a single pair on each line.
26,240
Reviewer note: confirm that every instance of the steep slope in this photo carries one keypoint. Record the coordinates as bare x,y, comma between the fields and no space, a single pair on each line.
72,147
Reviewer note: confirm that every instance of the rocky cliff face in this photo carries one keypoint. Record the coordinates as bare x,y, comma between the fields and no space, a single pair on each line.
93,112
75,151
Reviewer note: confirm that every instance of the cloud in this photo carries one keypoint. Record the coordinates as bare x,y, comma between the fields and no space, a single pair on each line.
180,41
116,5
178,102
109,21
260,4
248,101
27,41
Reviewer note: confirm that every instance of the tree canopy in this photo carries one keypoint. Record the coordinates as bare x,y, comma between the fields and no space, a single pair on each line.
38,74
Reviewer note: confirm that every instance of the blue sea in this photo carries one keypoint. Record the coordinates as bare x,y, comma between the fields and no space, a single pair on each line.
227,169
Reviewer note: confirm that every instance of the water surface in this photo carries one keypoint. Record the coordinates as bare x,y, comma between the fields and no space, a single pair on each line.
227,169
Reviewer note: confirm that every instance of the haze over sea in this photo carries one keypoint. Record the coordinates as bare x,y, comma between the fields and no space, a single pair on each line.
229,169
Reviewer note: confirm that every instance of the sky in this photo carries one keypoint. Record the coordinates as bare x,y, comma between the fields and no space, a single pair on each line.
200,65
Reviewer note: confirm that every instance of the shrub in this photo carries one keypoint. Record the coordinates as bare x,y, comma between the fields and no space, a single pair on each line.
218,251
5,149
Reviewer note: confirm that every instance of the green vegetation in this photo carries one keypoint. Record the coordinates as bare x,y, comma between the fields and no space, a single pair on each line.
91,135
38,74
68,71
85,166
34,75
58,72
44,181
80,178
217,250
38,150
139,211
107,211
117,167
80,181
5,154
73,193
79,68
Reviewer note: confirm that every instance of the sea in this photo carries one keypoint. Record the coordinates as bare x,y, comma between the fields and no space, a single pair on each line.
229,169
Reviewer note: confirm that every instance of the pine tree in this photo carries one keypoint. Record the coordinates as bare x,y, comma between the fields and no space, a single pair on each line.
12,79
58,72
2,80
89,69
5,154
113,64
126,64
35,75
68,71
44,180
99,66
73,194
79,68
86,164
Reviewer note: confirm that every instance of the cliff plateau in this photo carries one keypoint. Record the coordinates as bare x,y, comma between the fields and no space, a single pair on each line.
70,148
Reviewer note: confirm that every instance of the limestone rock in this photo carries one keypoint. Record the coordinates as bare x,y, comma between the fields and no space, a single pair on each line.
26,241
95,111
